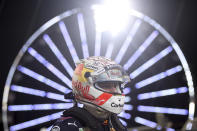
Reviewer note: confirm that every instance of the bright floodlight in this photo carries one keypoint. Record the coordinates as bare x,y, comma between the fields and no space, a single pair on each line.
112,15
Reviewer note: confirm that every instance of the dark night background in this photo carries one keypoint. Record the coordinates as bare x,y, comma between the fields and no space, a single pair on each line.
20,19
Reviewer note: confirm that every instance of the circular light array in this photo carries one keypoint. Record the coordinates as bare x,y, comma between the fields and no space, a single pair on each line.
42,71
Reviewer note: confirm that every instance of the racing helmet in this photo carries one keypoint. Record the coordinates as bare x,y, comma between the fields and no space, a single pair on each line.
99,82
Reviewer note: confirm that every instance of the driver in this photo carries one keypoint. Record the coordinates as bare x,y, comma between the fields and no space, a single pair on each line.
98,84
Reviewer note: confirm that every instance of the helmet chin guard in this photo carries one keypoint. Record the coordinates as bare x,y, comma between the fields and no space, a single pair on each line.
115,104
99,81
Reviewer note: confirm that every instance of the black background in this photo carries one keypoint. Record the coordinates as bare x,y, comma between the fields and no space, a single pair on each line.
20,19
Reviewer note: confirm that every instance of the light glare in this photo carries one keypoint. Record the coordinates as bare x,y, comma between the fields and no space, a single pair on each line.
111,16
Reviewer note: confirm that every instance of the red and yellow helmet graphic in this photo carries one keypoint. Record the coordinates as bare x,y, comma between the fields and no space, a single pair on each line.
93,70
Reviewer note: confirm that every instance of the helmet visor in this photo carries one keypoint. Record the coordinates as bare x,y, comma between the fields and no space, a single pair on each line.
109,87
111,73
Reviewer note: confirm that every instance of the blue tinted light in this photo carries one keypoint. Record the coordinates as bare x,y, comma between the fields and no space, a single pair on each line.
128,40
49,66
58,54
68,41
40,107
141,49
123,122
109,50
125,115
28,90
35,121
145,122
43,79
83,35
158,77
56,96
36,92
163,110
127,99
151,62
98,43
128,107
162,93
126,90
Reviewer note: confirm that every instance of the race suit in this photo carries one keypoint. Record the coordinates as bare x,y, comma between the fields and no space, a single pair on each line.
79,119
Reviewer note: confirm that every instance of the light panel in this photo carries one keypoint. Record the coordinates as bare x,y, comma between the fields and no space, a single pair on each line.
26,90
127,41
151,62
124,115
128,107
145,122
49,66
56,106
68,41
165,110
170,129
109,50
43,79
82,32
98,43
140,50
151,124
35,121
123,122
58,54
161,93
126,90
127,99
37,92
56,96
158,77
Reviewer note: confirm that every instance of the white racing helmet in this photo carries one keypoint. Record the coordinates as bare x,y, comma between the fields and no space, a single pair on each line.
99,81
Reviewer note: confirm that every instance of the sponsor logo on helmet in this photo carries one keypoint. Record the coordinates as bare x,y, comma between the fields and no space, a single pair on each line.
101,70
116,105
83,89
91,67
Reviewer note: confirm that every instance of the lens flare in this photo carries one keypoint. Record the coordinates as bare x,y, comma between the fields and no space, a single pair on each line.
112,16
